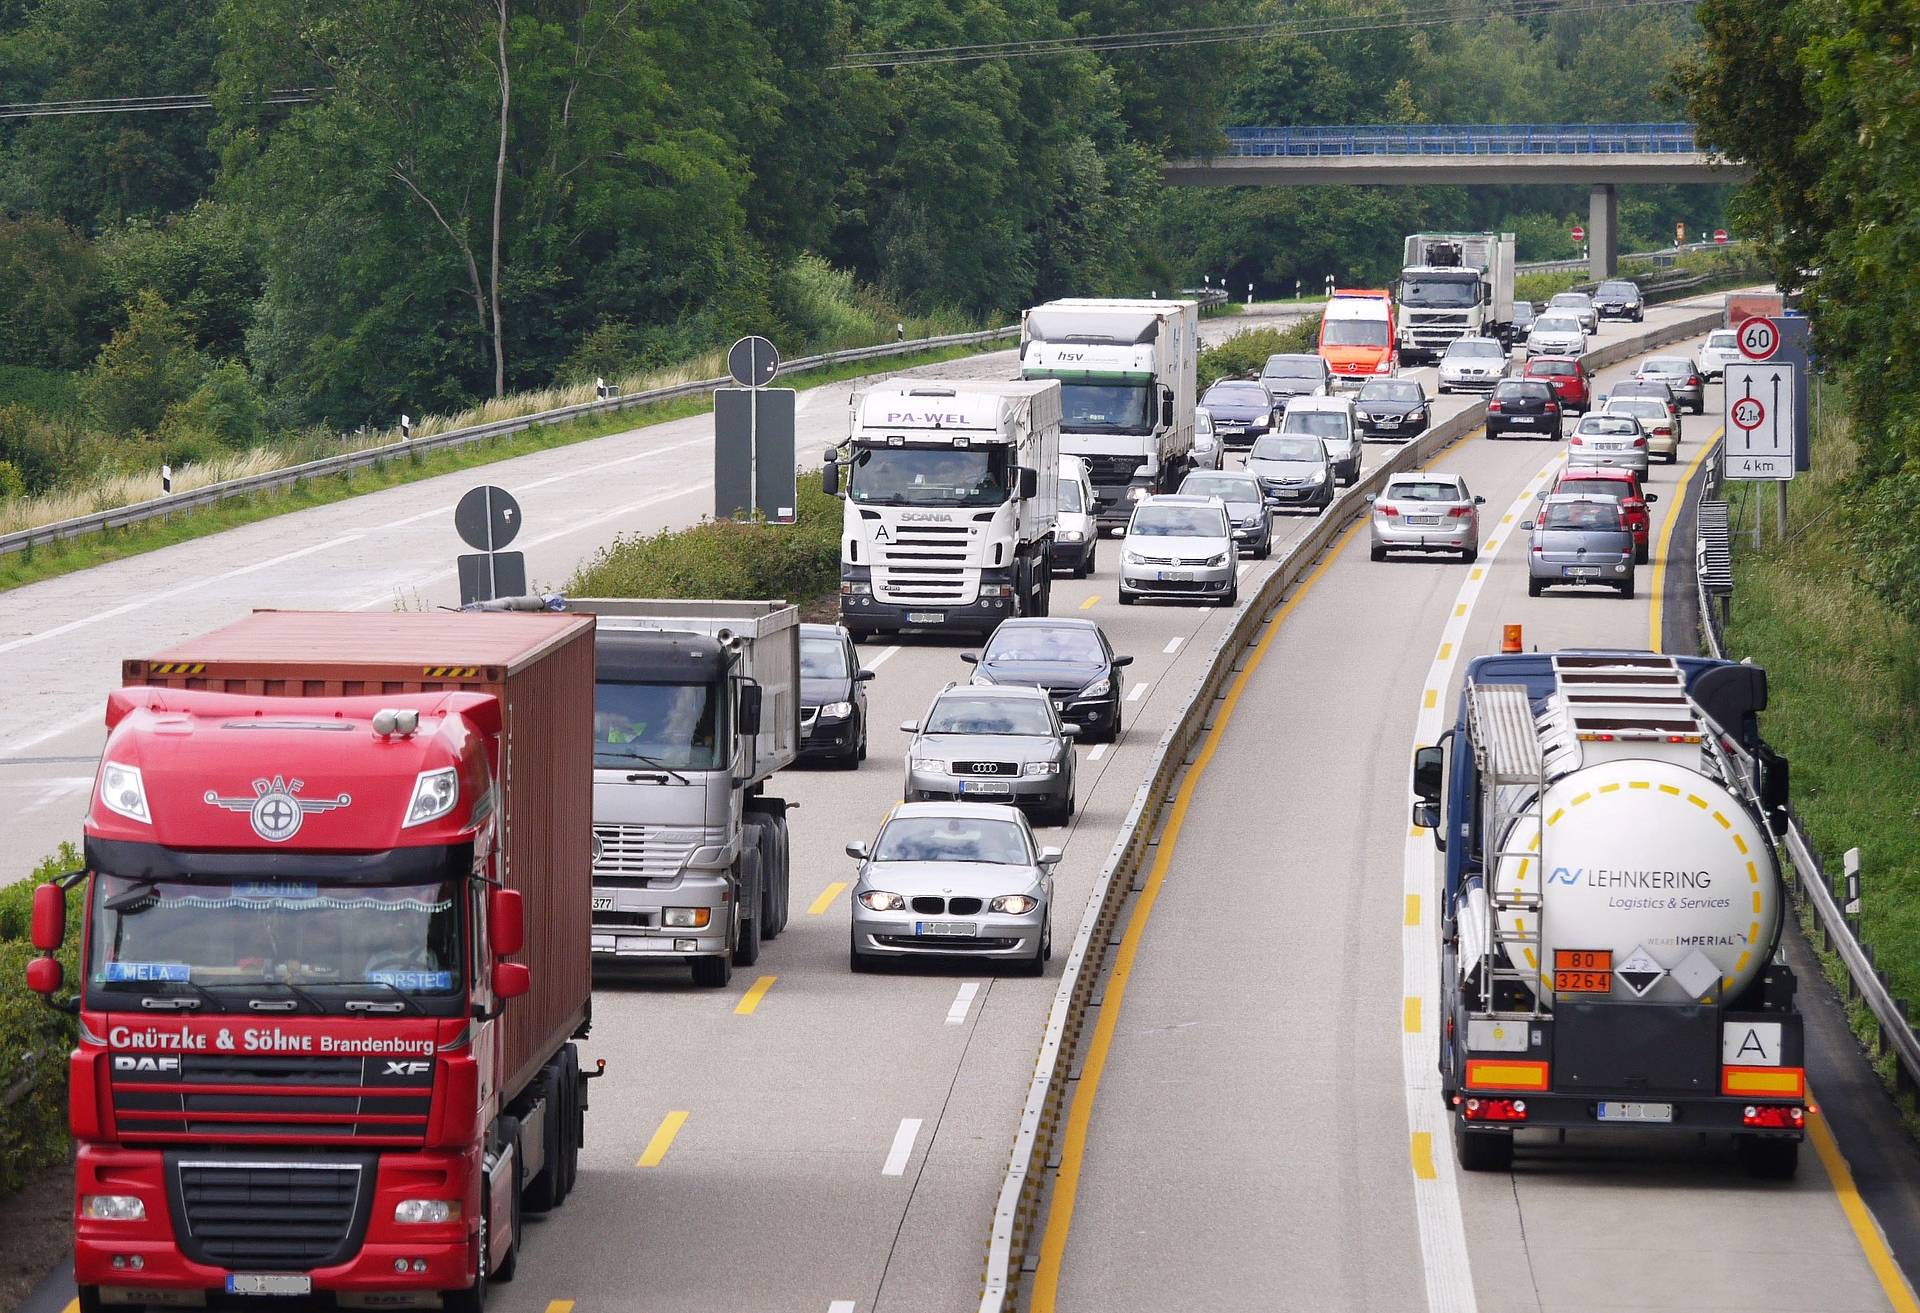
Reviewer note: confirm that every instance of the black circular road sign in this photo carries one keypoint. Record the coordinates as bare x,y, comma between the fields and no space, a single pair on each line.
487,518
752,362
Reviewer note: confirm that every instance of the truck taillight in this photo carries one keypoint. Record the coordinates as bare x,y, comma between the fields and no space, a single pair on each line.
1774,1117
1495,1110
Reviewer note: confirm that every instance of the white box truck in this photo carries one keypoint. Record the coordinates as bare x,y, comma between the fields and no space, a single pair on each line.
951,494
1129,372
1612,906
1453,285
696,705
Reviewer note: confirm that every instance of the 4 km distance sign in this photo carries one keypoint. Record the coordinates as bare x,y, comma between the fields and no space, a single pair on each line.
1760,421
1758,338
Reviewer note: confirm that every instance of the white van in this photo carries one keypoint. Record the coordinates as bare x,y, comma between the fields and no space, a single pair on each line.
1330,419
1076,531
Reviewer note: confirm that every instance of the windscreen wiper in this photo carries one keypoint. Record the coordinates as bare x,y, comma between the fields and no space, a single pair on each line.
645,760
405,1000
299,996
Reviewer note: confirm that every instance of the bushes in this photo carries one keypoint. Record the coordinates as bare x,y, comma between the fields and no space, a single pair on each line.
796,561
146,367
34,1038
53,295
1887,540
1246,351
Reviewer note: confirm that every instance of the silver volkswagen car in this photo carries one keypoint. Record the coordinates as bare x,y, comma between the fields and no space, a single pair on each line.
1580,541
1180,546
953,879
1682,377
993,744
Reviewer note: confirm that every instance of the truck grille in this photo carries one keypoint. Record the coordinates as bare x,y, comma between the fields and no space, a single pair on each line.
235,1097
925,564
636,855
1112,471
269,1214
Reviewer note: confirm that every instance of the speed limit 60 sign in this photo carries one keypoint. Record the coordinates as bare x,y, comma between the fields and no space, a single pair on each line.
1758,338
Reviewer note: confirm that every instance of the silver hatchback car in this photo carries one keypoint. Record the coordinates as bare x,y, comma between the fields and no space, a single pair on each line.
993,744
1682,376
1609,440
1580,541
953,879
1425,513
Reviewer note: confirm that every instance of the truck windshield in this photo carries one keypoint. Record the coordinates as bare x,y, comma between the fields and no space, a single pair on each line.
1354,332
1440,293
1106,407
316,940
660,725
930,476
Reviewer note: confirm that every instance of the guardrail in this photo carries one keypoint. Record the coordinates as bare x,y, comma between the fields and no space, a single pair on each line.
1581,262
1081,991
407,448
1467,139
1839,933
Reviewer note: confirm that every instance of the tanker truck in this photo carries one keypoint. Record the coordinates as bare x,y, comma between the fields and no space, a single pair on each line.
1612,908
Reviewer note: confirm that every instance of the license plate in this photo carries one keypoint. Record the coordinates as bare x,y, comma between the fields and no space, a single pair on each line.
1387,422
926,617
984,786
1582,571
1636,1112
1175,575
269,1283
603,902
946,929
1423,521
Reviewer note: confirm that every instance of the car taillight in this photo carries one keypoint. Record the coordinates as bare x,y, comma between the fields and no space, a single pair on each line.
1639,442
1391,512
1576,441
1693,380
1553,408
1460,512
1493,406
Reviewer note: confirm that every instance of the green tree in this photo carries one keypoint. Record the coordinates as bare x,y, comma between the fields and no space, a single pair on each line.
53,295
225,409
202,262
145,368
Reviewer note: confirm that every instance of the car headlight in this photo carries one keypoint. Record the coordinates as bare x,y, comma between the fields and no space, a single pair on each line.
122,791
930,765
1136,494
1098,688
113,1208
1040,768
1134,558
879,900
427,1210
434,794
1318,476
1014,904
1072,536
1219,558
836,711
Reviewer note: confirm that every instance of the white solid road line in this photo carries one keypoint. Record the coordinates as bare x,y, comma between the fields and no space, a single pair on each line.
1099,751
1173,644
902,1147
880,658
839,1305
957,1014
1139,691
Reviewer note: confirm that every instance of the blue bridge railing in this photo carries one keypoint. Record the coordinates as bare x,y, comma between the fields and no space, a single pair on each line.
1468,139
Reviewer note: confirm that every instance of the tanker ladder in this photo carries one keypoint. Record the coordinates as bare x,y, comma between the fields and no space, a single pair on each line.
1513,777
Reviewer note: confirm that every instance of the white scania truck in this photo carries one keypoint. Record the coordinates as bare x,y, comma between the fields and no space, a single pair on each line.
1612,908
1128,373
951,494
1453,285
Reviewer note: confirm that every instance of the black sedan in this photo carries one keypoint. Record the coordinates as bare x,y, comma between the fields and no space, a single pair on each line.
1242,410
833,697
1620,298
1392,409
1516,332
1071,659
1524,405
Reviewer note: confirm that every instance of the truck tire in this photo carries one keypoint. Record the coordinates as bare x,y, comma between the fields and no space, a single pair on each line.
746,949
1482,1151
775,847
573,1126
89,1299
713,972
1769,1160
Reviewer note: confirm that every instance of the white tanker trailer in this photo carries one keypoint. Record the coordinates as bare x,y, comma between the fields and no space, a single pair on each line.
1613,907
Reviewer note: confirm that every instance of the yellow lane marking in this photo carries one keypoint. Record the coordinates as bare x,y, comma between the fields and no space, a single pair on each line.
662,1139
1412,914
1090,603
1506,519
559,1306
827,895
1446,650
1893,1283
1059,1219
1421,1149
751,999
1659,588
73,1306
1460,611
1493,544
1410,1014
1433,698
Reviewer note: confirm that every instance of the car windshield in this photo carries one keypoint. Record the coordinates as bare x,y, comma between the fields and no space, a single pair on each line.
1667,365
150,936
1320,423
976,713
657,725
1391,389
1422,490
1106,407
1354,332
1643,407
1721,340
1045,643
1617,489
1474,348
1582,515
1236,394
1440,293
1070,500
1275,447
1605,426
823,658
1523,312
1611,290
1227,487
929,476
952,839
1178,522
1572,300
1292,367
1556,324
1553,368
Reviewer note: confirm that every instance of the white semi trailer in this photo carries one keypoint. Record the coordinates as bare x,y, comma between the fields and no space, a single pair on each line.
951,495
1612,907
1128,372
1453,285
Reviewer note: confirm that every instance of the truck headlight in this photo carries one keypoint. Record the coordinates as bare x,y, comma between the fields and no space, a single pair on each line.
836,711
879,900
123,792
426,1211
113,1208
684,918
1014,904
1136,494
996,590
930,766
1040,768
434,794
1072,536
851,588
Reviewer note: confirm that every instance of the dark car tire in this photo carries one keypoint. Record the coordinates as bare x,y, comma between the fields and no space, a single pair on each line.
1470,555
1377,553
1126,598
1626,589
1037,964
1266,546
1230,598
857,962
1533,588
1640,555
1482,1151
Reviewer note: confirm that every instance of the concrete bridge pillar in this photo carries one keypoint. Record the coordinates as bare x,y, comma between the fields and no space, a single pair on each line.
1603,232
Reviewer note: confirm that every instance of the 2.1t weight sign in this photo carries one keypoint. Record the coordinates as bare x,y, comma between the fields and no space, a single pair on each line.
1748,413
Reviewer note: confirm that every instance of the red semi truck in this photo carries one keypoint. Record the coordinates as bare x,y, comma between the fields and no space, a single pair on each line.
336,958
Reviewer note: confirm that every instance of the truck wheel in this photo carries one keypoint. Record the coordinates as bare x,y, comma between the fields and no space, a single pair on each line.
1482,1151
573,1127
474,1298
713,972
1769,1160
783,871
89,1298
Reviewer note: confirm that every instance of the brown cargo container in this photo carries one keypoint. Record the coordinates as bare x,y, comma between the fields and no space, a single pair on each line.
540,666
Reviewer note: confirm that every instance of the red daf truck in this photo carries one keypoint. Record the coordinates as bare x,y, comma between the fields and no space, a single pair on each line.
336,958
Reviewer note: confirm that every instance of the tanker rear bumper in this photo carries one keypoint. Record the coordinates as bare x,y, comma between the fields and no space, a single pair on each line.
1686,1112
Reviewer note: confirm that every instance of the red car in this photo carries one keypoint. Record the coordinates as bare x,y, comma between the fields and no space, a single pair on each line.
1622,486
1568,377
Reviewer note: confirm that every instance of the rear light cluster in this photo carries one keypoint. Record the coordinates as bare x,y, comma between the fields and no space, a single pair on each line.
1494,1110
1493,407
1774,1116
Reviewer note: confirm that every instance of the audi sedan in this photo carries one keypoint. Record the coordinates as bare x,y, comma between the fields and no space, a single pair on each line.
993,745
1392,410
1069,658
1425,513
953,880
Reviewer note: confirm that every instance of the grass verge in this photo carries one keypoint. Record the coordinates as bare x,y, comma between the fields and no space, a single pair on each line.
31,566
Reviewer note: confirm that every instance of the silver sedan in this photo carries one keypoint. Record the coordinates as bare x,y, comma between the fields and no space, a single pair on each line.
946,879
1682,377
994,744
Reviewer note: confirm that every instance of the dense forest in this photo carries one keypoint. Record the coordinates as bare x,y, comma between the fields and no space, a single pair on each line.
461,198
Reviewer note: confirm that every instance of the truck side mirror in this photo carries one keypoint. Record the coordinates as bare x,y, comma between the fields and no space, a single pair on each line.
44,975
511,979
1429,767
506,921
1773,787
1166,405
750,709
49,918
830,478
1029,482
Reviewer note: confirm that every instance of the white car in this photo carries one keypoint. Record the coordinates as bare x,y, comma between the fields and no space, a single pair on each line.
1207,453
1180,546
1557,334
1076,529
1473,364
1721,350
